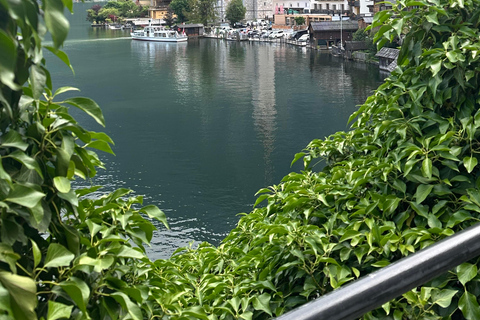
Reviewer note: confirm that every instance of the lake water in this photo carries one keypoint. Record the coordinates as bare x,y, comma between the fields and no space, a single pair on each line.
200,127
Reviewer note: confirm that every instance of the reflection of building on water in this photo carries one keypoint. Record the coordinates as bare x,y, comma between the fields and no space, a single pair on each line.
263,100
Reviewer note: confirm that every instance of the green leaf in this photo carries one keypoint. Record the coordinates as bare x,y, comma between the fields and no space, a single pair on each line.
9,256
262,302
37,79
470,163
423,190
98,264
196,312
58,310
469,306
443,297
295,159
62,56
100,145
58,256
127,252
436,67
155,213
8,59
24,196
69,196
127,305
427,168
89,106
56,22
63,89
37,254
78,292
22,290
13,139
466,272
62,184
26,160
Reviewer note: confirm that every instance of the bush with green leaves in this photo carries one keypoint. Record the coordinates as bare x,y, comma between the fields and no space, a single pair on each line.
405,176
64,254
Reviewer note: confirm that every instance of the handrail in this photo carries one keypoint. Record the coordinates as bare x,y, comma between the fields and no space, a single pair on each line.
379,287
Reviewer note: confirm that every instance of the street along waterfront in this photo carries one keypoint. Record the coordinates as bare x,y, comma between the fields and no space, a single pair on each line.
199,127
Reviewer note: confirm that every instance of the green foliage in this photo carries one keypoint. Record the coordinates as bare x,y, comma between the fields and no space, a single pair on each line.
405,176
181,9
300,20
116,9
169,19
364,35
235,12
64,253
202,11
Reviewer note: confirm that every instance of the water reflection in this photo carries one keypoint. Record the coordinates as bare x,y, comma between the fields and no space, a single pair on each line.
200,127
263,100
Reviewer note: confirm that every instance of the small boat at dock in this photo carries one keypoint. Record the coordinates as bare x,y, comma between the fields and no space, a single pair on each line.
158,33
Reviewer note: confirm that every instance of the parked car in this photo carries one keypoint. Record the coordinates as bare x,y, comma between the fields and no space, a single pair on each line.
240,25
276,34
304,38
264,34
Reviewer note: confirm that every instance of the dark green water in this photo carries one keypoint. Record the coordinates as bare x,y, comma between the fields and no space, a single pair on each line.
199,127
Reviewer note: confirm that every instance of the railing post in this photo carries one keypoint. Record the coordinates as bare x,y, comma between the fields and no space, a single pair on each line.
379,287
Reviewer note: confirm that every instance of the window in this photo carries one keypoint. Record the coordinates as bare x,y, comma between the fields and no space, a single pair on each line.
343,7
334,7
306,5
298,5
320,6
315,6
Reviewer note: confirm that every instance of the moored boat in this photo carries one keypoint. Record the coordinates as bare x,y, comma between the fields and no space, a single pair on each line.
158,33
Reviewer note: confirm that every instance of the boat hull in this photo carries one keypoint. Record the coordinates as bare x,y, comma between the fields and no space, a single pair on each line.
159,39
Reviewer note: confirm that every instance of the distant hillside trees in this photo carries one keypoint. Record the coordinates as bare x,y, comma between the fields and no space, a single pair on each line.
115,10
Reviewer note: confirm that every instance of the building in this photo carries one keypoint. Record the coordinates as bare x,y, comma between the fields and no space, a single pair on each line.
258,9
158,9
192,30
377,5
289,19
387,58
328,33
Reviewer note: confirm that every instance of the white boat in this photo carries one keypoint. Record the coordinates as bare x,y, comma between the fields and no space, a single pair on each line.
158,33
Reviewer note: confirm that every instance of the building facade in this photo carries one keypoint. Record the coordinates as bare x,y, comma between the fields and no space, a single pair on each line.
259,9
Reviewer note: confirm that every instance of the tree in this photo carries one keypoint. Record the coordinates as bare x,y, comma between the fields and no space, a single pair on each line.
202,11
169,17
108,13
92,13
299,20
235,12
181,9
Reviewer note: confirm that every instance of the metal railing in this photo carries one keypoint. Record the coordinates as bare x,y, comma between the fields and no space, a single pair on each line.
379,287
